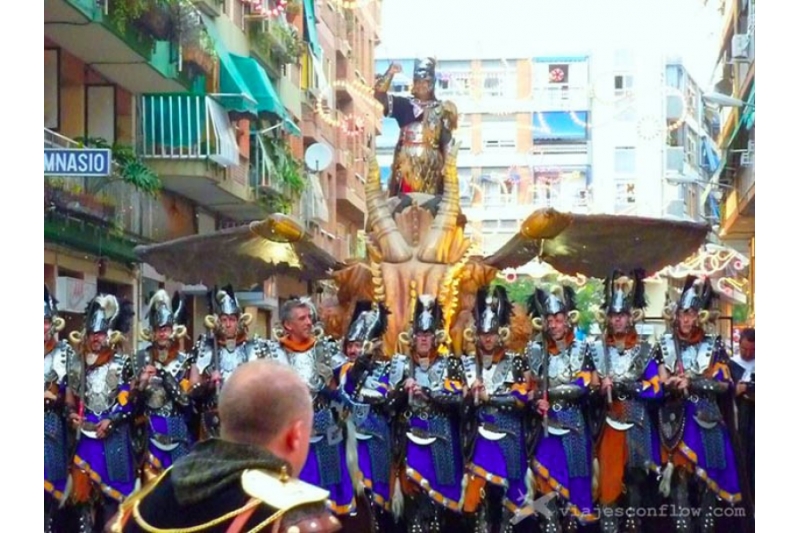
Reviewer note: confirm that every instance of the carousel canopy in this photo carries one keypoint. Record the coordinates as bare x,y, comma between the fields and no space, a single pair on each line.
240,256
593,245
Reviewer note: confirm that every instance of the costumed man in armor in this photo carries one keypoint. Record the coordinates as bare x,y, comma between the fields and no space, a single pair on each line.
57,355
695,423
246,480
495,443
628,448
222,350
743,371
101,404
563,372
371,402
426,130
318,360
432,474
163,373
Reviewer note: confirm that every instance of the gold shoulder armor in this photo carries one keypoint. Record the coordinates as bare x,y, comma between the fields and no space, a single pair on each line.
281,494
450,112
301,506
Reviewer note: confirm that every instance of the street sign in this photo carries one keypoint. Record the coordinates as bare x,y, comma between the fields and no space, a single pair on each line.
83,162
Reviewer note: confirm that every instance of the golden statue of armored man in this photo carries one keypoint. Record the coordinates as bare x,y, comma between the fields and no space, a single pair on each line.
426,130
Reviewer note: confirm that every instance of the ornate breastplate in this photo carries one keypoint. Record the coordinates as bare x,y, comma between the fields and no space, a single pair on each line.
432,377
158,394
102,385
625,365
231,355
374,385
497,377
562,367
695,358
55,363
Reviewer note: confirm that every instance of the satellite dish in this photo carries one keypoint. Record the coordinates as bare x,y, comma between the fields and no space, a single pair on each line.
318,157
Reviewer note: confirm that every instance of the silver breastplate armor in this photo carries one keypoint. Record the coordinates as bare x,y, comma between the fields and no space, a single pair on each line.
695,358
231,356
497,378
315,366
55,363
625,365
563,367
373,388
157,396
101,384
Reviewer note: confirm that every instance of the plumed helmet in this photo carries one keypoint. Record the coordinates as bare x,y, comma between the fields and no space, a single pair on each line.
491,311
428,314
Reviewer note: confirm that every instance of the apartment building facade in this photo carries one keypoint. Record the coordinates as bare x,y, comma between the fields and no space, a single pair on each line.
615,132
214,103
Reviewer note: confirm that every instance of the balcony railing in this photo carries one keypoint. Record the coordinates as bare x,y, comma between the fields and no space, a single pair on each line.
263,174
186,127
109,201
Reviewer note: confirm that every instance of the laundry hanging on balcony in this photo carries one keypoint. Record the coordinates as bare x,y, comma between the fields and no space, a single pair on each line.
311,28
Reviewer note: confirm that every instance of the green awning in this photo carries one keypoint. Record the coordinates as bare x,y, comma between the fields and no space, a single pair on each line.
311,28
750,109
267,99
235,93
244,84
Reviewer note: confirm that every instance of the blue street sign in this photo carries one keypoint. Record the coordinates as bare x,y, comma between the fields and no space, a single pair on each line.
83,162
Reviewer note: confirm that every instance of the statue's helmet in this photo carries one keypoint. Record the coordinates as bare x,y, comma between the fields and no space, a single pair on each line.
425,69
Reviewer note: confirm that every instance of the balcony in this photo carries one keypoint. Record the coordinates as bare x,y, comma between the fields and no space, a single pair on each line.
350,199
124,50
106,216
739,207
192,145
275,44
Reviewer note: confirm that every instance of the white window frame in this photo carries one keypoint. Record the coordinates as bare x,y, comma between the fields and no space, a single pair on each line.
617,166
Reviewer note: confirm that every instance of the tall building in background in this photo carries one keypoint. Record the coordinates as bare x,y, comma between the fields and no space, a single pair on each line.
734,82
615,132
217,101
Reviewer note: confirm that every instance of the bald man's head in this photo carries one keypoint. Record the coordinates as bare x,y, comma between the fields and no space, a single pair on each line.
266,404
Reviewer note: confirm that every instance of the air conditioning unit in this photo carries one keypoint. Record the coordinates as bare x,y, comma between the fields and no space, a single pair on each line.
740,47
748,159
751,145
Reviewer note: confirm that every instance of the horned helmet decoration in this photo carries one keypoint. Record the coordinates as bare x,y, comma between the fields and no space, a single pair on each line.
697,295
223,302
428,317
368,324
163,312
623,294
492,314
51,312
105,314
559,299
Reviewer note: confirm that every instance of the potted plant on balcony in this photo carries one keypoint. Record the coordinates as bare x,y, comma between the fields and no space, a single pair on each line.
154,17
197,47
158,18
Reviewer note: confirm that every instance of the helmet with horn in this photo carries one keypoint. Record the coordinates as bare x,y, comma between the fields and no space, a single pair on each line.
223,302
101,313
559,299
492,313
697,295
368,324
428,315
51,312
623,294
163,312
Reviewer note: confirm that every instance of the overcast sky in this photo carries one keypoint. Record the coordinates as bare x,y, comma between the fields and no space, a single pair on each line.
524,28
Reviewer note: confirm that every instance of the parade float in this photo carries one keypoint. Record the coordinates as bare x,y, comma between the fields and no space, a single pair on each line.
417,245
